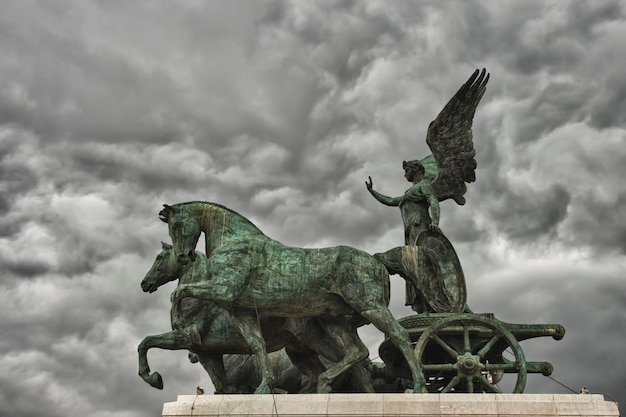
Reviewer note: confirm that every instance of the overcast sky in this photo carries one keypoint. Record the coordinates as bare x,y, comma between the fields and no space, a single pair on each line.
280,110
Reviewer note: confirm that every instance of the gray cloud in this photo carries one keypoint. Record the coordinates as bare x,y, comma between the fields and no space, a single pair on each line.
280,110
16,178
527,216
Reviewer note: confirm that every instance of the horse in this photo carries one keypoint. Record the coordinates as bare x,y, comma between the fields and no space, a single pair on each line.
343,287
302,339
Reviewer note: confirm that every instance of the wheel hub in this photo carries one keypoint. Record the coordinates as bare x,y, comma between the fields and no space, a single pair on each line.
468,365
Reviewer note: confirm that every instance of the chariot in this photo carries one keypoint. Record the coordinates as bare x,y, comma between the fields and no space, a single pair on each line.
458,350
464,353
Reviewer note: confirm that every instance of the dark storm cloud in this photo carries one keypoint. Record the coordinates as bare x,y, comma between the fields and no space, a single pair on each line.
149,167
609,108
573,292
25,268
539,43
558,104
527,215
542,37
601,224
73,332
465,228
106,101
70,87
344,36
16,178
322,59
280,110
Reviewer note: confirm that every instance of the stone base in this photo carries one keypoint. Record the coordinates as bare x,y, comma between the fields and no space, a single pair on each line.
448,405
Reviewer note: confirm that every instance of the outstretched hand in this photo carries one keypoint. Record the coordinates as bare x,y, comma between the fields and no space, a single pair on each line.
369,184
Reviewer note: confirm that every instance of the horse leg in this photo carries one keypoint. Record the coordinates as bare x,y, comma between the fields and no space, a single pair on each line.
214,365
354,351
362,376
171,340
225,291
317,339
386,323
248,326
307,362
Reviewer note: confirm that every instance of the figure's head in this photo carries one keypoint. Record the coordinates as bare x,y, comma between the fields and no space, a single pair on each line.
413,168
184,230
164,269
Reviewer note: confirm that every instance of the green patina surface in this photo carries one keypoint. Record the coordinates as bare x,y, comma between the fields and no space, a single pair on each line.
252,294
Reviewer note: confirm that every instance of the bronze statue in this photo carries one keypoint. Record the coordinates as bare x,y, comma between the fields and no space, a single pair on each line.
437,177
252,294
415,202
208,332
250,274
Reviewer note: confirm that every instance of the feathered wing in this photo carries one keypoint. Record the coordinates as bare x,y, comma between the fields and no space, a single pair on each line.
450,139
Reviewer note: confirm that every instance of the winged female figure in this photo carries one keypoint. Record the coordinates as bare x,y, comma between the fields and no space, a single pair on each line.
438,177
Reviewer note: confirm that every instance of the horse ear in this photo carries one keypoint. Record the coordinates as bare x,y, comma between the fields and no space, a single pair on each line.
165,246
164,214
171,209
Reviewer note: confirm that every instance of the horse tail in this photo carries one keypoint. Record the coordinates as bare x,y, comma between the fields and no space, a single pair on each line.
401,260
404,261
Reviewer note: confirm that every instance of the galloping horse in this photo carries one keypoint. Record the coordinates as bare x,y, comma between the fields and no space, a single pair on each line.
342,287
303,339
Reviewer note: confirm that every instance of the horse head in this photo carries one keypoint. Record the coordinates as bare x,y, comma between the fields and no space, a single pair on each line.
163,270
184,230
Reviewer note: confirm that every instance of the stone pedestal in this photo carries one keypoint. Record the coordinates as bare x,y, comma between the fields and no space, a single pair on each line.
393,405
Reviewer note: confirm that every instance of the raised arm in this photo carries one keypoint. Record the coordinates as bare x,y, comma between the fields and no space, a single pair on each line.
388,201
433,201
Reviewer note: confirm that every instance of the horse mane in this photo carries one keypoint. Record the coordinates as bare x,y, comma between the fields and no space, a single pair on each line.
197,270
240,217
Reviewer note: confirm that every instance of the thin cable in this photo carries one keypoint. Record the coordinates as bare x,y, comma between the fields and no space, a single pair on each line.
578,392
563,385
537,370
193,405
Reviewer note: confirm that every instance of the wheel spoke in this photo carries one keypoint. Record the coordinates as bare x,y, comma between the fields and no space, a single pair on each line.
466,339
481,353
488,386
440,367
474,343
452,352
511,366
451,384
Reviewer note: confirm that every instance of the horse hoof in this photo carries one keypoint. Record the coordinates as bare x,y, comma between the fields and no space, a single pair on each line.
156,381
309,388
193,358
418,389
263,389
323,388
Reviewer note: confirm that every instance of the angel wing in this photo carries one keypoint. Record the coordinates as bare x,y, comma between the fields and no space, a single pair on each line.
450,139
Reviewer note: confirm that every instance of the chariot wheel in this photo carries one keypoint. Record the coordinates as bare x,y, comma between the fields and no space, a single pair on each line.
463,353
